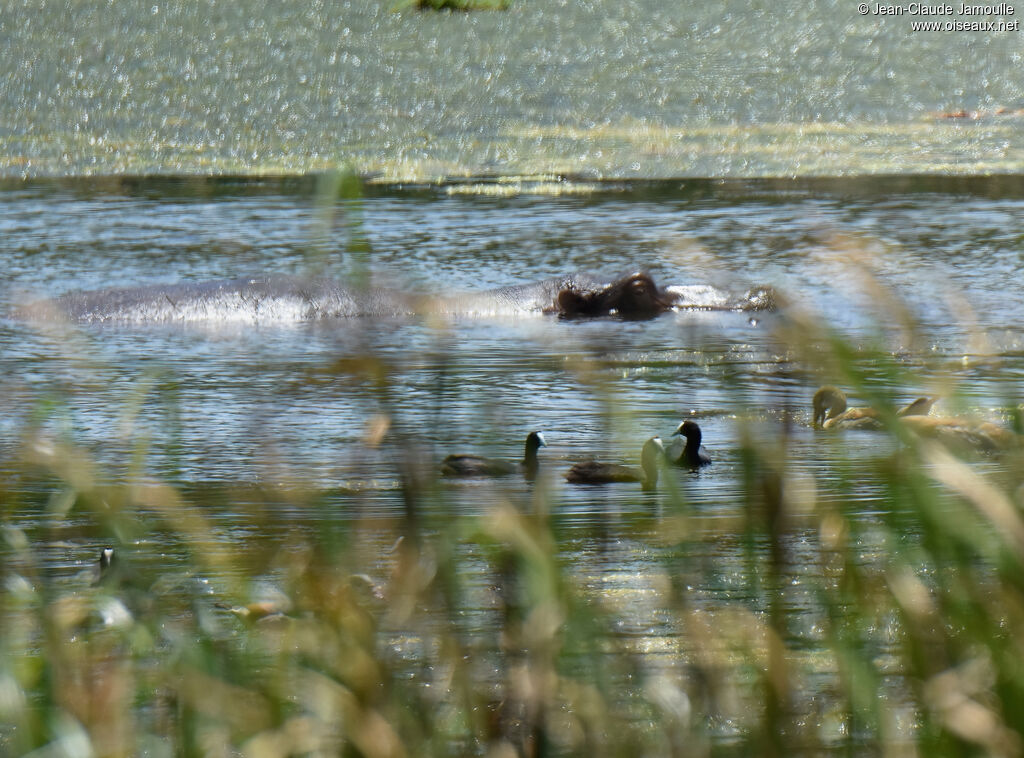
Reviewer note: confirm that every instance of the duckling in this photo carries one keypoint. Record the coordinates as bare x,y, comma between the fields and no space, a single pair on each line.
694,455
961,433
920,407
254,612
965,434
593,472
830,411
476,465
272,604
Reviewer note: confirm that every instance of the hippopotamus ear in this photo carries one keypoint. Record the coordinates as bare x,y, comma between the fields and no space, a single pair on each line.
571,302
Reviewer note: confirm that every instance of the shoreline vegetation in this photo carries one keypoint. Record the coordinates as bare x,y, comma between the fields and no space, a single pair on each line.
446,632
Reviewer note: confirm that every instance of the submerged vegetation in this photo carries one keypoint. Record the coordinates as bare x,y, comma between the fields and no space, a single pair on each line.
822,627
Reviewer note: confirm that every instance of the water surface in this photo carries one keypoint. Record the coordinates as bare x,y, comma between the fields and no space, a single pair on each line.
951,256
625,89
313,427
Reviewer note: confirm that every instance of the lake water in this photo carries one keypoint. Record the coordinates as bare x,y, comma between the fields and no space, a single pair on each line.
280,404
500,148
334,412
630,89
273,394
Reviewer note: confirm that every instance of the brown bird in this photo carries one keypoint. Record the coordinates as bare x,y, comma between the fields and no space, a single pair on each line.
964,434
830,411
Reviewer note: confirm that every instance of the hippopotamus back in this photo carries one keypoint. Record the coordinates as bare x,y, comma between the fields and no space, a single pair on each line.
291,299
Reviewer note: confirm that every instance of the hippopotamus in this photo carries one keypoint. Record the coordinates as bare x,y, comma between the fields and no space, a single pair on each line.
282,298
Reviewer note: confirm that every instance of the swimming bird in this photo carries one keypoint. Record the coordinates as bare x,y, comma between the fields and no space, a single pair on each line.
830,411
258,611
960,433
104,571
122,596
476,465
694,455
593,472
110,571
964,434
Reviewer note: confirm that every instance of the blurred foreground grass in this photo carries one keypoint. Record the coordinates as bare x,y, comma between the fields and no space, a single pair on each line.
448,633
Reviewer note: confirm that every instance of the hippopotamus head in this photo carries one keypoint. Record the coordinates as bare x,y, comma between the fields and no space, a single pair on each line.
635,296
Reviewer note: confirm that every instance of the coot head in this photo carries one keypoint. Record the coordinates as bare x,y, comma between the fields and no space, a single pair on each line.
530,466
534,441
104,570
690,430
693,454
